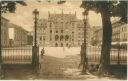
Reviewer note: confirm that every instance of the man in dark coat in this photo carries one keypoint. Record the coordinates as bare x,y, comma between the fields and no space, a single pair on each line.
42,52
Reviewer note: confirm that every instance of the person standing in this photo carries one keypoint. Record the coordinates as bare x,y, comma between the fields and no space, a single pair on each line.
42,52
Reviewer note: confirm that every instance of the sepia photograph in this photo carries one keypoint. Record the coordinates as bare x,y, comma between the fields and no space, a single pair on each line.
63,39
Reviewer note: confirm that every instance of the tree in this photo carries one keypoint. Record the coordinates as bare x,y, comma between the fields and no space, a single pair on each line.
121,11
107,9
5,7
10,6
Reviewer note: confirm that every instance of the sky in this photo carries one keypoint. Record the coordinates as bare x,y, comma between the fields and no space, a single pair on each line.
24,16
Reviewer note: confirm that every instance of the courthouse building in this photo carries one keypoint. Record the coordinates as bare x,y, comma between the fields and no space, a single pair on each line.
60,30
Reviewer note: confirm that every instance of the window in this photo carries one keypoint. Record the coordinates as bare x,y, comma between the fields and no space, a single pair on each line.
61,23
50,31
61,38
44,38
66,38
50,24
50,39
61,44
73,24
78,43
61,31
56,38
56,45
56,31
67,44
40,38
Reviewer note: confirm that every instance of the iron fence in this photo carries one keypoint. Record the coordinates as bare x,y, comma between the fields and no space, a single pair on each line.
117,55
17,55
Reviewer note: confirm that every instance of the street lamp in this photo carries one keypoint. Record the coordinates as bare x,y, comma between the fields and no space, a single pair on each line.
36,13
84,45
35,53
84,20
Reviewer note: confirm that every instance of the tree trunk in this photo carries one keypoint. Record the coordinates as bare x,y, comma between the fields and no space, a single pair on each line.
106,42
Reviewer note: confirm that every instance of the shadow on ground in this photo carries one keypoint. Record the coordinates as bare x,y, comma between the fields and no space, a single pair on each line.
53,68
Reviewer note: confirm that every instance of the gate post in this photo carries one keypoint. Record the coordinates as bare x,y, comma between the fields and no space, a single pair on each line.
35,58
35,48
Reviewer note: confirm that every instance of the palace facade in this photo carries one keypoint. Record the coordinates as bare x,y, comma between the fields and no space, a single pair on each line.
60,30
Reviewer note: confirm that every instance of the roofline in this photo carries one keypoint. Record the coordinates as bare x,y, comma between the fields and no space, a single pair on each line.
5,19
17,26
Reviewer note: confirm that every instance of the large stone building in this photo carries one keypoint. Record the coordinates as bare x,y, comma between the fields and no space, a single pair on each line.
14,35
17,35
4,32
119,34
60,30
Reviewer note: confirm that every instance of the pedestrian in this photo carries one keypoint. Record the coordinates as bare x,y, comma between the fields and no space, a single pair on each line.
42,52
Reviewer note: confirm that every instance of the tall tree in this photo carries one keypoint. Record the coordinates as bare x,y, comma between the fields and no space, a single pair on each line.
107,9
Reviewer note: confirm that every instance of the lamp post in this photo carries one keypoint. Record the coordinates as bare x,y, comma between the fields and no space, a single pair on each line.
35,53
36,13
84,45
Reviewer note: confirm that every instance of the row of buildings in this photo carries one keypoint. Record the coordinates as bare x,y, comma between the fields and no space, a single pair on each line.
12,34
66,30
61,30
119,34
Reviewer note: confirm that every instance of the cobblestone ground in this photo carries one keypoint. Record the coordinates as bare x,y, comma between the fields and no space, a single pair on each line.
53,68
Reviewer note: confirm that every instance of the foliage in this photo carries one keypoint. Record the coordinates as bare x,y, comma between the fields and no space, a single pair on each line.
115,8
61,2
10,6
121,11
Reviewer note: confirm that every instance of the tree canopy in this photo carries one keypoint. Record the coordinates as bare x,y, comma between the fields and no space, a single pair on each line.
10,6
115,8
